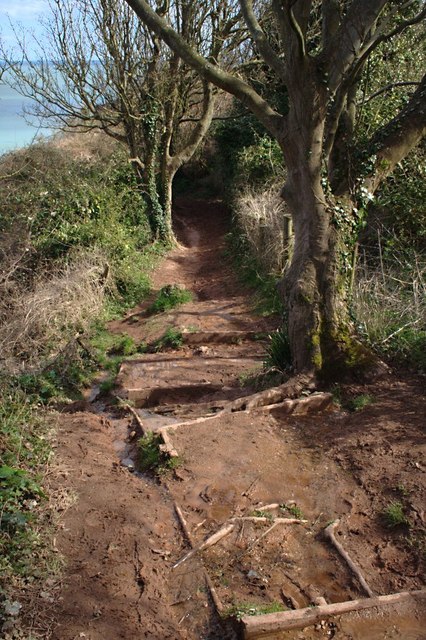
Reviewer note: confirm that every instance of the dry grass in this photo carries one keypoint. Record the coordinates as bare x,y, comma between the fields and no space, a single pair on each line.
266,225
39,317
389,302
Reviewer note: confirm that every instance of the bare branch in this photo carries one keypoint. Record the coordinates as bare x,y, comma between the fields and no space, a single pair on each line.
390,87
262,44
212,73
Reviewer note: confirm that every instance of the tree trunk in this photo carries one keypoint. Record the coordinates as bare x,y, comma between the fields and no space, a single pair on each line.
314,289
167,177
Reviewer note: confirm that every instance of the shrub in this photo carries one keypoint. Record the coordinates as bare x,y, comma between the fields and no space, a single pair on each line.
150,456
37,322
25,450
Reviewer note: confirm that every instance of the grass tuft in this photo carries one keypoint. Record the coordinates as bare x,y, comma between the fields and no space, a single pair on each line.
393,515
151,458
169,297
278,353
172,339
241,609
360,402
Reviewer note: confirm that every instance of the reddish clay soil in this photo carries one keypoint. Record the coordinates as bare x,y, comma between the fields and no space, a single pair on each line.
121,537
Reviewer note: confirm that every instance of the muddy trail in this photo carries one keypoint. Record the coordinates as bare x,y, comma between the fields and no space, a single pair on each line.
262,479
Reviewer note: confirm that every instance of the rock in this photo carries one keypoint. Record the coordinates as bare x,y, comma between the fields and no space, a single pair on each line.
12,608
128,462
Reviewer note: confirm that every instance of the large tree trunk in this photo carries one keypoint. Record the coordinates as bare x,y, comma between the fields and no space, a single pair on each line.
314,289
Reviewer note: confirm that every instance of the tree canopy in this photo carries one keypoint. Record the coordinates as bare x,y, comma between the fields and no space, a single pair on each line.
318,52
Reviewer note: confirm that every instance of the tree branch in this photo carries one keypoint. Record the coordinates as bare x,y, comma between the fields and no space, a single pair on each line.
199,130
262,44
395,140
272,120
389,87
297,29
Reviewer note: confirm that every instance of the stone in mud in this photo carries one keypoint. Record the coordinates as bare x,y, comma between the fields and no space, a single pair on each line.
128,462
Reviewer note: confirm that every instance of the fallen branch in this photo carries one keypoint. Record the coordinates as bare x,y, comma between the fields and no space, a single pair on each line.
329,533
213,539
215,598
264,625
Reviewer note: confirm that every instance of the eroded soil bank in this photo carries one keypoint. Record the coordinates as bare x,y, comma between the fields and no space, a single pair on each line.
121,536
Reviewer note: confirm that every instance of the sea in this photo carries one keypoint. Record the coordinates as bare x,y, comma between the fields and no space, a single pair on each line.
17,130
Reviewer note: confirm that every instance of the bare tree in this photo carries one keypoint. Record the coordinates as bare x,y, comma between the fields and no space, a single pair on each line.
318,52
100,67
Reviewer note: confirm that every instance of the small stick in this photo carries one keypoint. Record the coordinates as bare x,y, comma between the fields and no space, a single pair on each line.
213,539
247,491
217,603
275,505
250,547
329,533
265,519
269,507
168,447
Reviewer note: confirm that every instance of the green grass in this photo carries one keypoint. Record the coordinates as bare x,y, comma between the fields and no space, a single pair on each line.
169,297
151,458
393,515
172,339
293,510
360,402
241,609
278,353
25,554
267,301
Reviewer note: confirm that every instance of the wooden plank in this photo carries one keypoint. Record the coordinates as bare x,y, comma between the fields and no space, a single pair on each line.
259,626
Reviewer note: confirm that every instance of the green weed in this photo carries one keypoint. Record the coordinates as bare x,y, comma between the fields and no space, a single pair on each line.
393,515
241,609
151,458
170,296
278,353
293,510
24,527
360,402
258,513
172,339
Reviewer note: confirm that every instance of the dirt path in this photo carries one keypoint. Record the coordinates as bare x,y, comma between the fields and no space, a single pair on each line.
122,537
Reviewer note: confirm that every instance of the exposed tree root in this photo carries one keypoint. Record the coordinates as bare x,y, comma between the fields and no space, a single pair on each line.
329,533
134,413
290,389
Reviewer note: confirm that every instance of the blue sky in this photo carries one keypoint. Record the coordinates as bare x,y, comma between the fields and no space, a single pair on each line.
22,13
